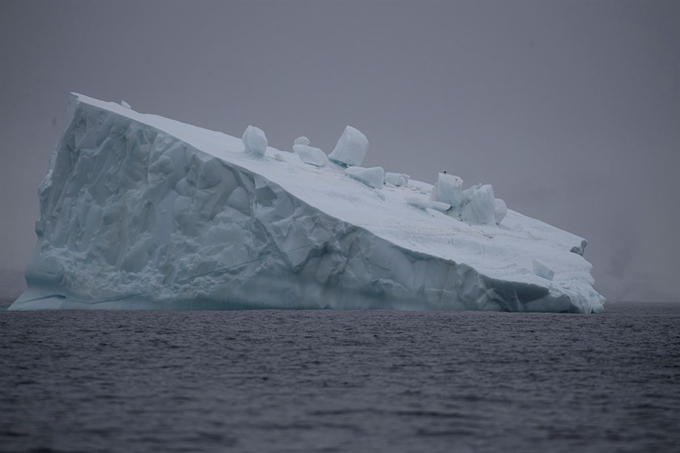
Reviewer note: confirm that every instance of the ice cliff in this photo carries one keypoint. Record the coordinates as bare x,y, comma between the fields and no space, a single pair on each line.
142,212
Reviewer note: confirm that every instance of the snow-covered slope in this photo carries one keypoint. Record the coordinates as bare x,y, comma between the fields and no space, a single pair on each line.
143,212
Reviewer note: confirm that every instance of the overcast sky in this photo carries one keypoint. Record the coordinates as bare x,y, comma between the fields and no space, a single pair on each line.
570,109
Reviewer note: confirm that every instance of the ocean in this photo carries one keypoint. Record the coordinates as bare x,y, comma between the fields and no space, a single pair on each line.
327,381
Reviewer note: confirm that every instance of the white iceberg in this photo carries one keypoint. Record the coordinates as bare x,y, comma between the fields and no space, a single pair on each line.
142,212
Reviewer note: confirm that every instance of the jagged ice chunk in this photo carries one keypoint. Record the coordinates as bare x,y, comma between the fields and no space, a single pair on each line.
351,148
372,177
448,189
311,155
479,205
254,141
397,179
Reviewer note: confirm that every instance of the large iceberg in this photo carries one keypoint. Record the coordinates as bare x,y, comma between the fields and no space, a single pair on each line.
142,212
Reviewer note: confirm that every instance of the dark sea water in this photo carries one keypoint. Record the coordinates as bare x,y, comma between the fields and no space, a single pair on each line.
328,381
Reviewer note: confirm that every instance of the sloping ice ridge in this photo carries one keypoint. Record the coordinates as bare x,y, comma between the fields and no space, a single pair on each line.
142,212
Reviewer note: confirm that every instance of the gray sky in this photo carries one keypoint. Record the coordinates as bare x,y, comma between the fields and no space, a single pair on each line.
570,109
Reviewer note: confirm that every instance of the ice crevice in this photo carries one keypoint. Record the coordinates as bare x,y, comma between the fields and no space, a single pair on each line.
141,212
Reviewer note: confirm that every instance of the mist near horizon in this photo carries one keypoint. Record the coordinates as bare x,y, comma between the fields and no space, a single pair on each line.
571,110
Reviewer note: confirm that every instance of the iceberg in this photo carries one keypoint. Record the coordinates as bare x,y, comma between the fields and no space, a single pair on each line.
143,212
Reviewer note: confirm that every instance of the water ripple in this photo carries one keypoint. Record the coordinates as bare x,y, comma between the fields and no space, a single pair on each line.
260,381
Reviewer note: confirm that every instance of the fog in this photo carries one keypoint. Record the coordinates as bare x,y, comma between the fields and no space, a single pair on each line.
570,109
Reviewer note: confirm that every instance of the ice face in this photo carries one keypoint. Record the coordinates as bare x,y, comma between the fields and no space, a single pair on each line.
351,147
479,205
311,155
542,270
254,141
372,177
501,210
142,212
448,189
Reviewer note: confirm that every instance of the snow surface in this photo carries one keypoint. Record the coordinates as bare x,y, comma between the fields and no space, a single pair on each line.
143,212
427,204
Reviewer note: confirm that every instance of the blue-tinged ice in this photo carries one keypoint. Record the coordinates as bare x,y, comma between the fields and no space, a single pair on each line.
142,212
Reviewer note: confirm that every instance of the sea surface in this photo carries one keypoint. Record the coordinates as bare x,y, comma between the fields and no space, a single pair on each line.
327,381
